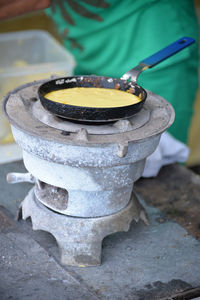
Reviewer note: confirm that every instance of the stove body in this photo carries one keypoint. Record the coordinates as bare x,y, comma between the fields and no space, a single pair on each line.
83,174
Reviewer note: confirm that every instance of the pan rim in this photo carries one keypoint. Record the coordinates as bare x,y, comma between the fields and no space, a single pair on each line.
46,88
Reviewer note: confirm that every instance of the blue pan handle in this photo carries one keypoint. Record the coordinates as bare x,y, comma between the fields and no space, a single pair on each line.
158,57
168,51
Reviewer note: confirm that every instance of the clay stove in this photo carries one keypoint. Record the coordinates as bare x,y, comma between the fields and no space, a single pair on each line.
83,175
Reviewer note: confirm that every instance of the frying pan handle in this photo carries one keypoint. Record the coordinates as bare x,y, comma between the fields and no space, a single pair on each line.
168,51
158,57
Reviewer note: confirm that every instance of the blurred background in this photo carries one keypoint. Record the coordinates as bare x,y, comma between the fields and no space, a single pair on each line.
30,49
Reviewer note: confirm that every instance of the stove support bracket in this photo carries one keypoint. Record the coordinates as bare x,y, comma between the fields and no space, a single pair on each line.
80,239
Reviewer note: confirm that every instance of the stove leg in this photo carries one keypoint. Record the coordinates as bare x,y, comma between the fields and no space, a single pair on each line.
80,239
81,254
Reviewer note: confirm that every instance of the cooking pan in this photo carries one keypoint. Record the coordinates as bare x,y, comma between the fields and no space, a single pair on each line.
126,83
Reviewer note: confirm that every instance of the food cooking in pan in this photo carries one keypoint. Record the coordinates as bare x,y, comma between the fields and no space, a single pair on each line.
93,97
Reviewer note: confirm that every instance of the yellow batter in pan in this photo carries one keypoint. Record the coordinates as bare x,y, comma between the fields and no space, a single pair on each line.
93,97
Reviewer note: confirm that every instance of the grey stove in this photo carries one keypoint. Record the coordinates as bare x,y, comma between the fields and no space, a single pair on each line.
83,175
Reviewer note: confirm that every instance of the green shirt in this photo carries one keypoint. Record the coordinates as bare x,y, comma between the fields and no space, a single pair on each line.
110,37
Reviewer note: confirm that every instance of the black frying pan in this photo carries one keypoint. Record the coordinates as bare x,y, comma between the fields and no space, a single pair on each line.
103,115
91,114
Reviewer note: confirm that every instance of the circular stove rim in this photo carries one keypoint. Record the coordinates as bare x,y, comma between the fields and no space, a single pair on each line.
93,139
134,122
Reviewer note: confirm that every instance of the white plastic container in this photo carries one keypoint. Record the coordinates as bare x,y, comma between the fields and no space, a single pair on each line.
26,56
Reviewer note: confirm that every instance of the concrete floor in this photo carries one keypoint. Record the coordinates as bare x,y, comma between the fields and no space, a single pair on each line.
148,262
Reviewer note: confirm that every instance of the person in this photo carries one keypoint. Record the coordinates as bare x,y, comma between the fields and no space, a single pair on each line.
109,37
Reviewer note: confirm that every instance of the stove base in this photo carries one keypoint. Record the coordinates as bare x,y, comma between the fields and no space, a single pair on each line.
80,239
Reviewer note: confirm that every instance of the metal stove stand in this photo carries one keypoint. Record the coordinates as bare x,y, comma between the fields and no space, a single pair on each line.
80,239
